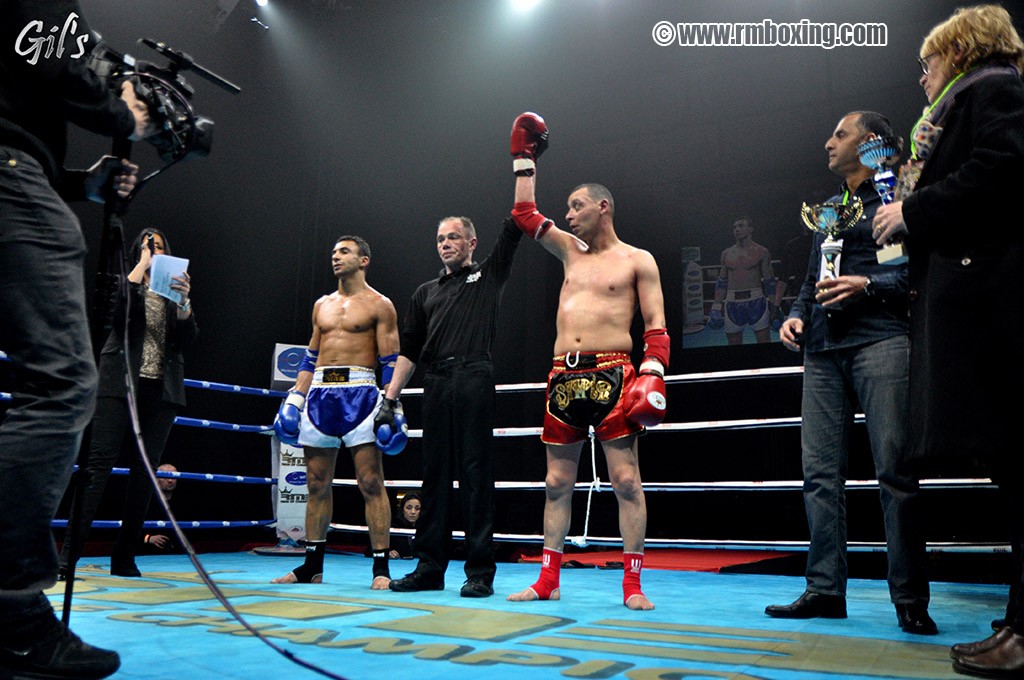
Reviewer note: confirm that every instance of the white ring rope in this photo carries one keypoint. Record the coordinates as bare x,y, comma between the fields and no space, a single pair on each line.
703,377
713,544
782,485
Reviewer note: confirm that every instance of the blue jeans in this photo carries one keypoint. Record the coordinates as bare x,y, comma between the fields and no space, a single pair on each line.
43,328
835,381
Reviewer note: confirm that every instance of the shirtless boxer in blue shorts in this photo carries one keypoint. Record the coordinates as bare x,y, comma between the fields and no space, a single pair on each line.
336,402
746,287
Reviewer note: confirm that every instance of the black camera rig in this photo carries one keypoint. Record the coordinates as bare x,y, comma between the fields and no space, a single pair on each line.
181,133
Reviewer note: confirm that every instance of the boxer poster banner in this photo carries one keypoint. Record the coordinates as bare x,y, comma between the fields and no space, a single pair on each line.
287,462
285,367
291,494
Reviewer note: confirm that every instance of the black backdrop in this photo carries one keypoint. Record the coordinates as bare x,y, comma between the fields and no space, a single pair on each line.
380,117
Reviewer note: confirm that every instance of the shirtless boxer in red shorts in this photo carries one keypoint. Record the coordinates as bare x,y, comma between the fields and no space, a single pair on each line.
592,382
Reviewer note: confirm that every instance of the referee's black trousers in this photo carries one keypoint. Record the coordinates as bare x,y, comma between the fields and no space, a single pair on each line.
458,418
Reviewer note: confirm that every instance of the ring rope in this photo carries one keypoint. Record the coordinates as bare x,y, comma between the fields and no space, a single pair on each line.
201,476
164,524
596,484
712,544
217,425
237,389
702,377
782,485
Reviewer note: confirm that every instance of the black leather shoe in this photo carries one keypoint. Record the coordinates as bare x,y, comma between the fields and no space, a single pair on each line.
417,581
1005,660
914,619
972,648
810,606
476,587
126,569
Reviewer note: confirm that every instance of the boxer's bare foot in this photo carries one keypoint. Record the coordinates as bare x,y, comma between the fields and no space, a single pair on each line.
529,595
639,602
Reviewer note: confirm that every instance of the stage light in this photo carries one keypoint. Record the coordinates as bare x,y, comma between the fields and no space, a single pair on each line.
261,3
524,5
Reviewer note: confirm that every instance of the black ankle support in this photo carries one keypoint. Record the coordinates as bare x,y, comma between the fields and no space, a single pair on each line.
380,563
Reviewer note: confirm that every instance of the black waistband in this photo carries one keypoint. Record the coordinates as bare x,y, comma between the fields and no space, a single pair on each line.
449,363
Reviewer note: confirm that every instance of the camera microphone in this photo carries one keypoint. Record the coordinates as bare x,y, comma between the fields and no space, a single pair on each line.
186,62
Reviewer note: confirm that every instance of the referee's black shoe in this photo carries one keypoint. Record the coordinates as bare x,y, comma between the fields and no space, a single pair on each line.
476,587
417,581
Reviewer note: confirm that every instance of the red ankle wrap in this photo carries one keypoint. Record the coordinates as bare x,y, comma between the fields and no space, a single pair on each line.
551,567
632,564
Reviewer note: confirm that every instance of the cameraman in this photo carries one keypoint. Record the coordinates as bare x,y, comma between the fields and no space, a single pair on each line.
44,85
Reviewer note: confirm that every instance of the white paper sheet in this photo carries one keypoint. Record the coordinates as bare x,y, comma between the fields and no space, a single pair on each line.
161,270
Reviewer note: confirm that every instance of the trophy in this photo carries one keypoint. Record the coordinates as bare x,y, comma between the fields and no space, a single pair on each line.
831,219
881,155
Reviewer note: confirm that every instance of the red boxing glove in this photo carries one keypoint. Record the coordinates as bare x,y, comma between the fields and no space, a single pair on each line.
529,221
645,402
529,139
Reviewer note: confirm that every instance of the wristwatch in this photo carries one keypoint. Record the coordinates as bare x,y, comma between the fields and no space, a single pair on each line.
869,287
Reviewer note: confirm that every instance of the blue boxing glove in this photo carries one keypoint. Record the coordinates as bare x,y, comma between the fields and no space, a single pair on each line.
715,319
286,424
391,427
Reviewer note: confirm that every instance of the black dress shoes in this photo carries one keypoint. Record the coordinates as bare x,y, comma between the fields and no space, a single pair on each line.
914,619
124,568
972,648
417,581
476,587
1004,660
809,606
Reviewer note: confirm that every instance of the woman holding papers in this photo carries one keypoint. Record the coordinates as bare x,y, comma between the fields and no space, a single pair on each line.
159,327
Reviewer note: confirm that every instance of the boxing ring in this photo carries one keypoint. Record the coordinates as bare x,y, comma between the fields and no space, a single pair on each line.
705,624
594,488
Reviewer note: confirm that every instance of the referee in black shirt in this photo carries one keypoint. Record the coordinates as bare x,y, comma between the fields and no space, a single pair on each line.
449,328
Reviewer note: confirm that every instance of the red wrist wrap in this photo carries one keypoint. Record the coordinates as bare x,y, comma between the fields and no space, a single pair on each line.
531,222
657,345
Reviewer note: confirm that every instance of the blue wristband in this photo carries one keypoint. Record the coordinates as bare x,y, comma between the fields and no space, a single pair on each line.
387,367
308,362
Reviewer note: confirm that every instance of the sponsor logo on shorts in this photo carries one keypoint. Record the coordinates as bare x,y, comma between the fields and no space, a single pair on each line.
582,388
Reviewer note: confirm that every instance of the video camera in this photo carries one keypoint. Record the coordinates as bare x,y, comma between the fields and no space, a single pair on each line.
182,134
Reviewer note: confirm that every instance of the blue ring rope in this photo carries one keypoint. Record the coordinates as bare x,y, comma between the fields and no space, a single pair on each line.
163,524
